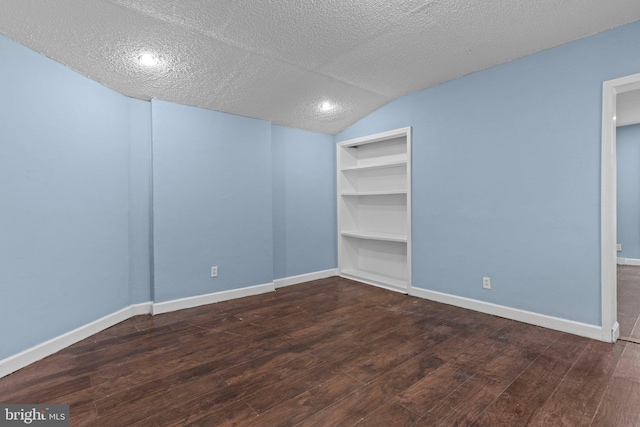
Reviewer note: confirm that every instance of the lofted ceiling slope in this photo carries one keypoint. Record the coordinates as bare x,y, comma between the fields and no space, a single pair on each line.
277,60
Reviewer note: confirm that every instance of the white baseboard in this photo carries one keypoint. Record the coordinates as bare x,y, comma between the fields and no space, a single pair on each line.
198,300
375,283
294,280
142,308
628,261
47,348
615,332
556,323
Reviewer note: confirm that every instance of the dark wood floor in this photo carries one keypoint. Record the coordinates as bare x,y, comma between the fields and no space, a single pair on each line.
629,301
335,353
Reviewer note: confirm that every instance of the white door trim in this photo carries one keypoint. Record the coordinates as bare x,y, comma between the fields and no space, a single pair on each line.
608,229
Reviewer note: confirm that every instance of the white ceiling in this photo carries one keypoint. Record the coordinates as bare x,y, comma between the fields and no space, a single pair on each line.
628,108
279,59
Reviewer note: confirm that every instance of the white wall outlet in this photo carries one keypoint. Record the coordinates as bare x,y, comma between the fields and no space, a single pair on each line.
486,282
619,247
214,271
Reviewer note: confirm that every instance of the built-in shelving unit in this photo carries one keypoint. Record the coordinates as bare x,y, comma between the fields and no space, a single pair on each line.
374,209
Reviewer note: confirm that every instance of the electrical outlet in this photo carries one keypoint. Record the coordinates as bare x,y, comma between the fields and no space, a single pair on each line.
486,282
214,271
619,247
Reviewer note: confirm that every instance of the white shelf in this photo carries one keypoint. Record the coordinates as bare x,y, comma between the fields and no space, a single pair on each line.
376,279
375,166
373,193
374,209
388,237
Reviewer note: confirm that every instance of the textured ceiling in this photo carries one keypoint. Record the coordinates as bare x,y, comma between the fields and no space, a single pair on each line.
279,59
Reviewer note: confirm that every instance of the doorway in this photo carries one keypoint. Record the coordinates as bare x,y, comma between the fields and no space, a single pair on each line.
610,91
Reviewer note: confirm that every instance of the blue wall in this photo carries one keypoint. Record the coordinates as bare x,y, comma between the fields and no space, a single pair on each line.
628,162
140,203
506,184
64,180
212,201
506,176
304,202
101,209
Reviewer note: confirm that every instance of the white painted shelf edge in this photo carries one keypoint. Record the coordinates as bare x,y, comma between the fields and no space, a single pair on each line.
395,276
375,166
383,136
372,193
388,237
377,279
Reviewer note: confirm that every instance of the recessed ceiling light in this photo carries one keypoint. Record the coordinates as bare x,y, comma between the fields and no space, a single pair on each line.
148,59
326,106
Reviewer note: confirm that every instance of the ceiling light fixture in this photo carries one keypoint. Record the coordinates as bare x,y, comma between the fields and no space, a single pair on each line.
326,106
148,59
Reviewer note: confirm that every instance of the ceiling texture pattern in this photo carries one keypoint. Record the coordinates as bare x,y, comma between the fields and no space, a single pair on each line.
278,60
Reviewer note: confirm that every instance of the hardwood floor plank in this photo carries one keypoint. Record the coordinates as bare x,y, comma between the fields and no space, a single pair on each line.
479,354
438,333
367,399
554,414
43,393
359,357
130,406
177,412
462,406
509,364
584,385
386,360
275,394
237,413
81,415
619,406
456,344
301,407
191,413
136,372
430,391
360,348
522,400
629,365
40,374
629,301
334,352
276,366
391,414
635,333
567,347
526,336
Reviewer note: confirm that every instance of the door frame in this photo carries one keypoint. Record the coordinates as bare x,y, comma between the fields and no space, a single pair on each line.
608,195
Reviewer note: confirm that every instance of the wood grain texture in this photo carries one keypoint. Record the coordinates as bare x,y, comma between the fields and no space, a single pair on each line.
521,401
585,383
629,301
554,414
334,352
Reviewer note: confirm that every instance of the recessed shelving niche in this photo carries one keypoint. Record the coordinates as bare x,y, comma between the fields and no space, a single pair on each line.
374,209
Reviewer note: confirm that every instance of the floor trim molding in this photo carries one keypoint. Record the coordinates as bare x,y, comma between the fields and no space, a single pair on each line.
543,320
198,300
375,283
40,351
615,332
47,348
294,280
628,261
